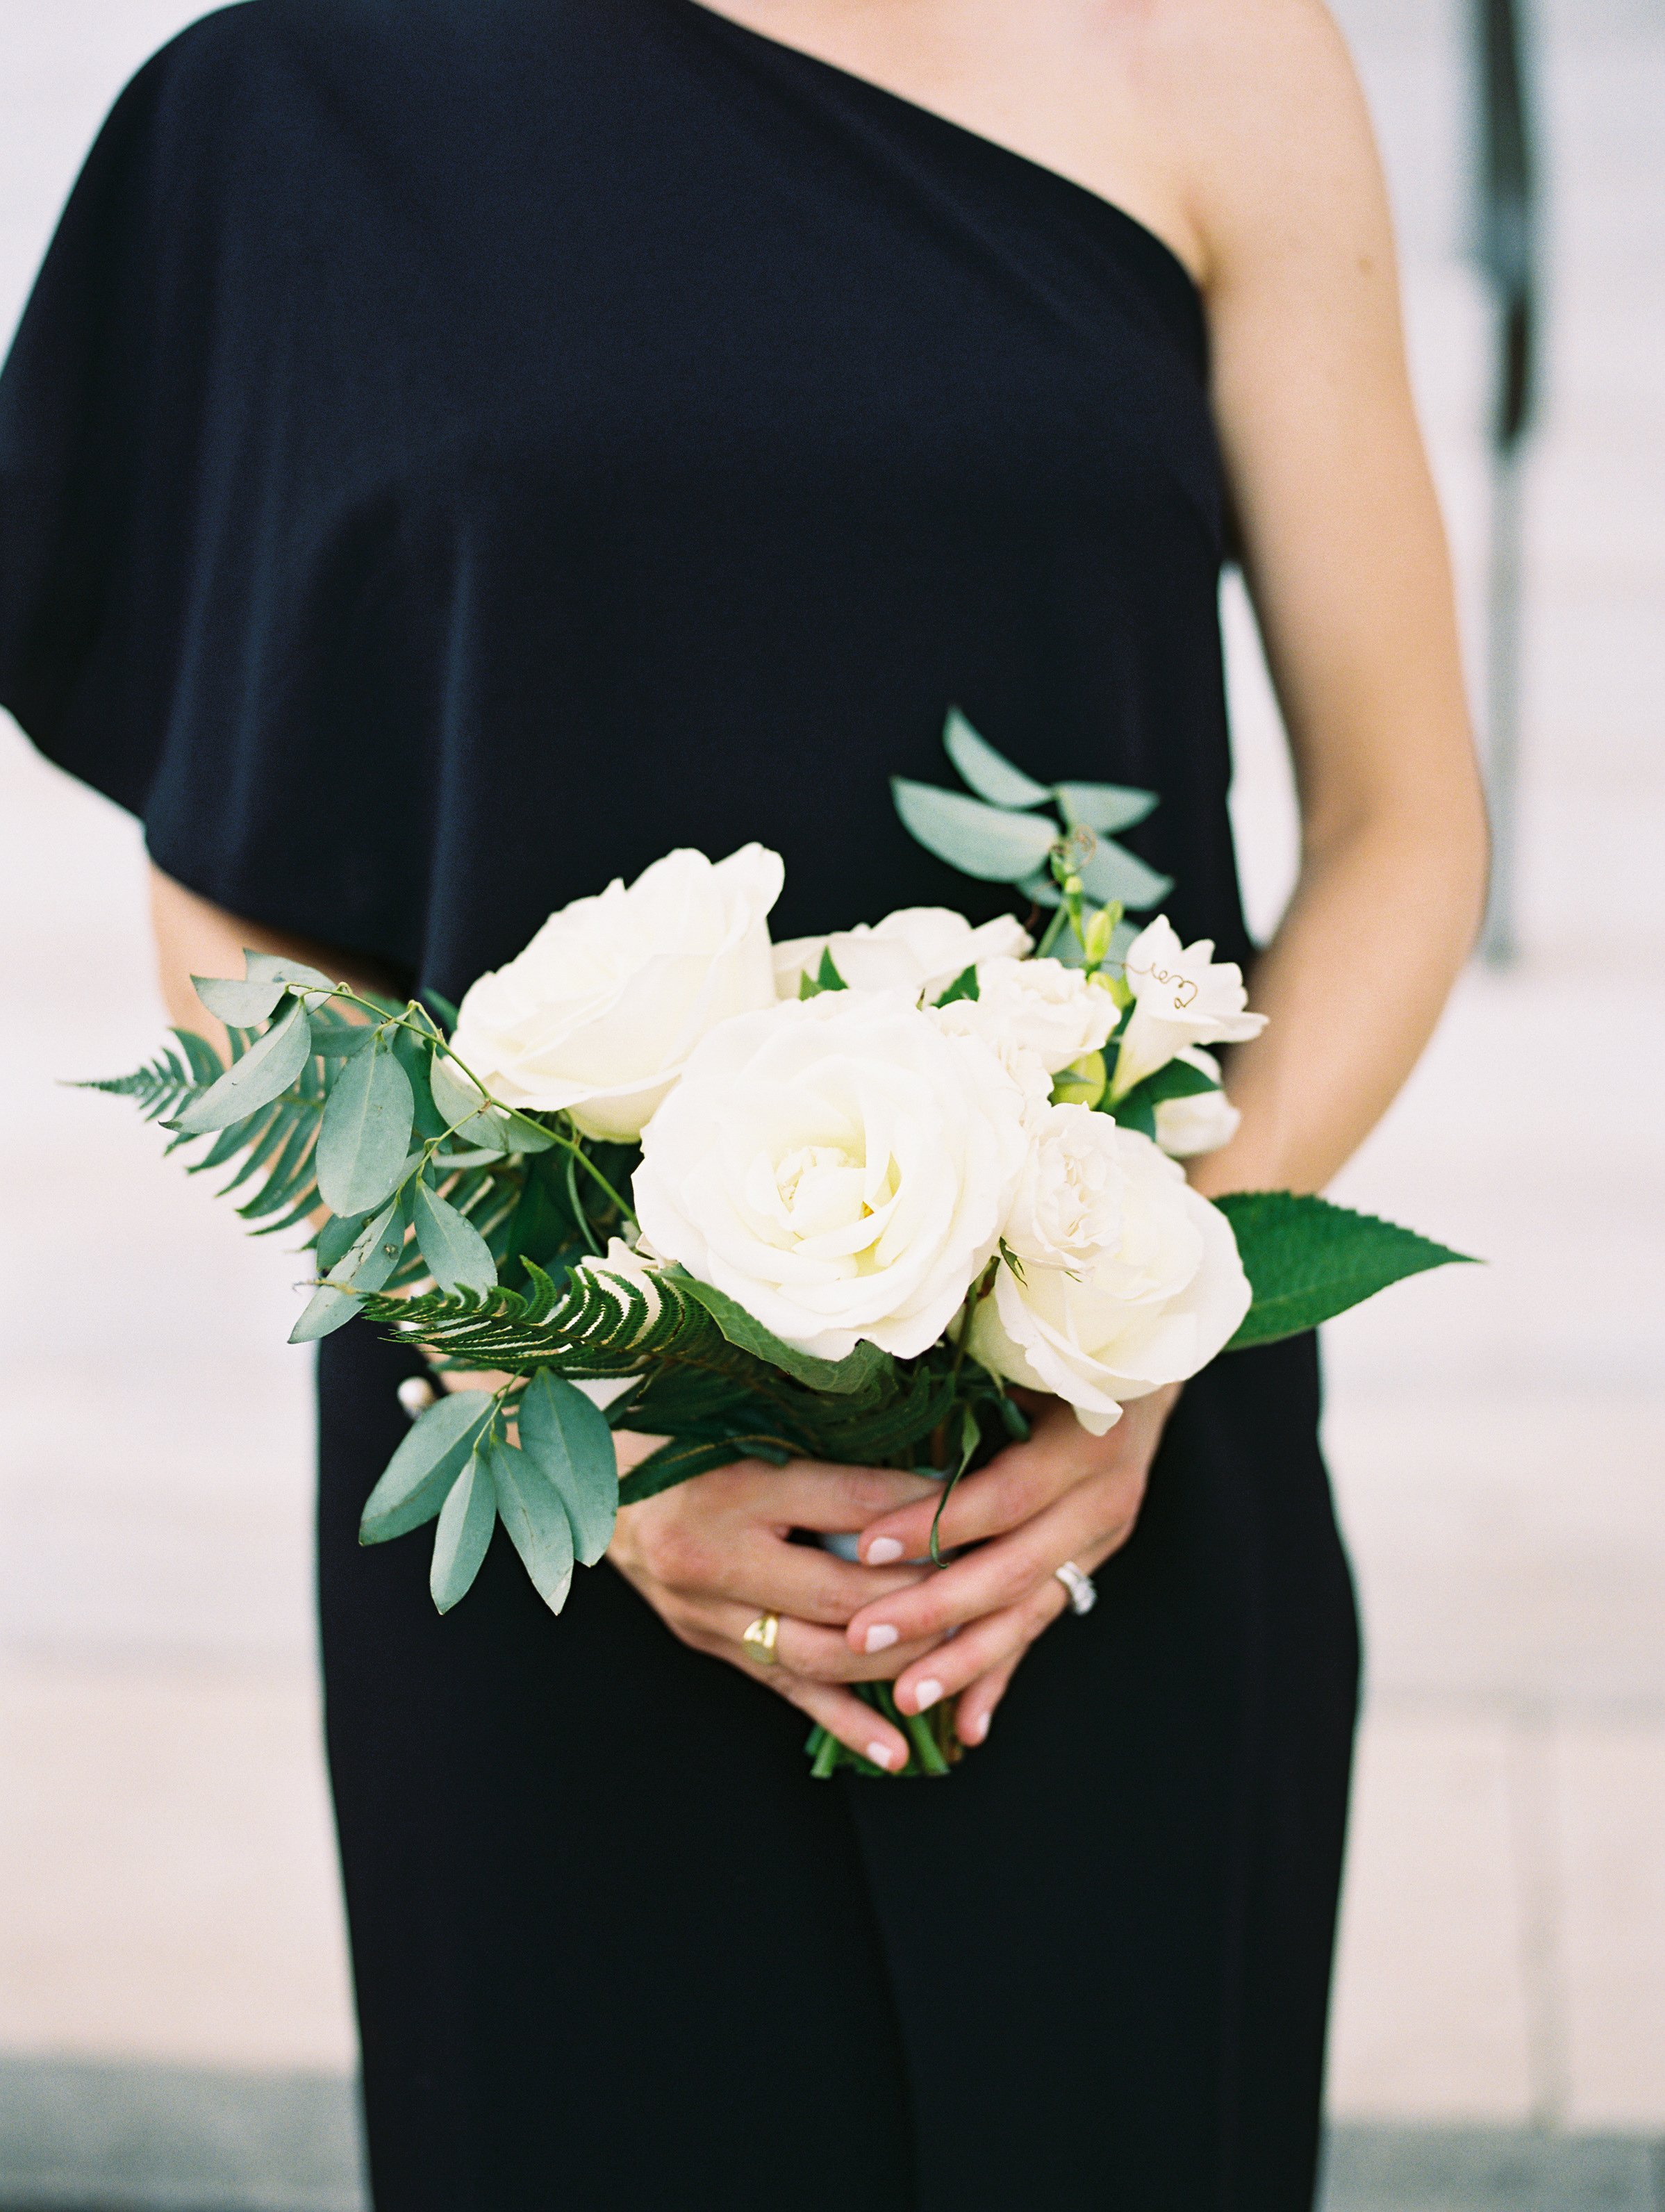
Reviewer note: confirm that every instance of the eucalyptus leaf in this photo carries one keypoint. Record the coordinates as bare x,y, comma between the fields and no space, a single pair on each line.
1103,806
337,1237
985,841
365,1265
241,1004
989,774
271,967
415,1481
463,1536
264,1072
531,1510
1110,872
457,1255
838,1377
1308,1261
442,1006
414,1054
366,1135
567,1435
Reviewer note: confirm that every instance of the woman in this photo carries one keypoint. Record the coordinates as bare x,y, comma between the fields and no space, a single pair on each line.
452,456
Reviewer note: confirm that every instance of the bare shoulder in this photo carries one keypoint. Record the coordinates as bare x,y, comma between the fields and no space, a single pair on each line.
1259,110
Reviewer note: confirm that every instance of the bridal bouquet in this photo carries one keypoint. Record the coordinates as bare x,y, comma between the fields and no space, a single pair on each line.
830,1198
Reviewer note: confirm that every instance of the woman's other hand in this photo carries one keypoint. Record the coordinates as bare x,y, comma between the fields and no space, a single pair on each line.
712,1553
1063,1496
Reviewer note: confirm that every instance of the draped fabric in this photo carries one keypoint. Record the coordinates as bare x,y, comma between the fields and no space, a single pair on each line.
453,454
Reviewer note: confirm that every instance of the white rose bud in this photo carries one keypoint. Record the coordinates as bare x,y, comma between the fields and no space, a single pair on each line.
1125,1280
1202,1122
839,1166
1038,1005
599,1013
1181,996
920,949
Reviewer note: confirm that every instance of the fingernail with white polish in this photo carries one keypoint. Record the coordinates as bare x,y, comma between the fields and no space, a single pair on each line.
881,1637
925,1693
882,1551
881,1755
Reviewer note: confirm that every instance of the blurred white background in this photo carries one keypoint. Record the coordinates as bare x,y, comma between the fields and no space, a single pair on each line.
168,1891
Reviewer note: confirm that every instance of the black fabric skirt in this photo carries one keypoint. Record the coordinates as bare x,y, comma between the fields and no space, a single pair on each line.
614,1948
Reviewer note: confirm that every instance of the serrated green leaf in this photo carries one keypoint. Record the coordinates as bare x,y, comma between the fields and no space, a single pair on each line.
989,774
262,1074
1110,872
463,1534
457,1254
567,1436
366,1136
238,1002
1103,806
838,1377
1306,1260
531,1510
416,1481
985,841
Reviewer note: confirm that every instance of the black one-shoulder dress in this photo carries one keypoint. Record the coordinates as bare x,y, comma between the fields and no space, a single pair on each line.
454,453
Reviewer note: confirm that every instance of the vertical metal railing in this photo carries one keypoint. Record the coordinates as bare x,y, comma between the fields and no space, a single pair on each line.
1508,231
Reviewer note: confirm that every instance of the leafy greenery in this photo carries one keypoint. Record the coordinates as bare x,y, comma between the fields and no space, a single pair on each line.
997,836
1308,1261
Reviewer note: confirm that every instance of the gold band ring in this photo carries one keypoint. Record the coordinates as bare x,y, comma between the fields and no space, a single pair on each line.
761,1639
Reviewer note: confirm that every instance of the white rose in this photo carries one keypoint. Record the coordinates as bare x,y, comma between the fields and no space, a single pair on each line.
1128,1279
600,1011
1181,995
1202,1122
1039,1007
918,949
837,1165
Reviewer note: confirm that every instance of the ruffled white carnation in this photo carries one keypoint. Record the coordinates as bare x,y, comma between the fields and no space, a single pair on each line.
600,1011
918,949
1181,996
839,1166
1126,1279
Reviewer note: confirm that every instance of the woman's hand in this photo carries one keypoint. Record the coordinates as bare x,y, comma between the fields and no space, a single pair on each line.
1063,1495
712,1553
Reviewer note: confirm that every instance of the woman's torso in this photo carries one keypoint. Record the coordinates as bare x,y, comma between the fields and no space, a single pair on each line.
575,428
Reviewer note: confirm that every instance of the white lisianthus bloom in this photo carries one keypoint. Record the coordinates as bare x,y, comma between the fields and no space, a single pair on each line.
920,949
839,1166
600,1011
1040,1007
1202,1122
1125,1280
1181,995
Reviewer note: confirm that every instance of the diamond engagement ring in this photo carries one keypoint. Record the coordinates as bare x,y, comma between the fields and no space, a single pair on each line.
1083,1595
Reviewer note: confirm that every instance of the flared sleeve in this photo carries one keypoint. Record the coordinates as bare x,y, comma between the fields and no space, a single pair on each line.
188,581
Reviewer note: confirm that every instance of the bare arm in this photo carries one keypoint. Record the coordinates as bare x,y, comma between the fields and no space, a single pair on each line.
195,938
1346,561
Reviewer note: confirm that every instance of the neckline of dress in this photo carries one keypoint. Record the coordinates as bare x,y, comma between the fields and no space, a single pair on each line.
916,108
